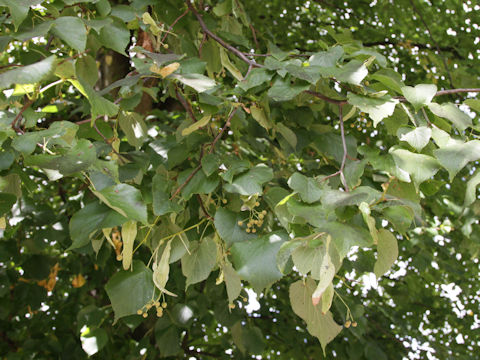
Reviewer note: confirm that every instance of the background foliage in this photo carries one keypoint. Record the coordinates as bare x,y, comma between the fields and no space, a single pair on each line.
155,174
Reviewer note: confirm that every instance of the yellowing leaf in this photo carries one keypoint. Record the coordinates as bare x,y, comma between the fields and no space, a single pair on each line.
161,270
78,281
197,125
166,70
129,232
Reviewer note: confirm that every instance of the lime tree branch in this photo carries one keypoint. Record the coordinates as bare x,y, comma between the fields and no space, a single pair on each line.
215,37
212,147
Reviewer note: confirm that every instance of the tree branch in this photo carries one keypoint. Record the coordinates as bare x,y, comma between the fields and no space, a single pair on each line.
227,46
186,105
19,115
212,147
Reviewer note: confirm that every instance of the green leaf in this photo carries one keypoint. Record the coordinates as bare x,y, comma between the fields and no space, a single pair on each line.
390,78
419,95
309,189
100,105
19,9
126,200
288,134
471,190
332,199
210,163
418,167
232,282
255,260
327,58
259,115
198,82
86,69
72,30
196,125
353,72
129,233
283,90
257,77
400,216
134,127
161,269
321,326
316,215
418,137
129,291
387,252
353,172
197,265
345,236
369,220
474,104
226,224
29,74
451,112
161,200
229,65
454,157
78,158
377,108
115,36
87,222
251,182
6,202
200,184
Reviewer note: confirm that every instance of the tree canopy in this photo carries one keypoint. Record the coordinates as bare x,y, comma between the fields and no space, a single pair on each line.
165,163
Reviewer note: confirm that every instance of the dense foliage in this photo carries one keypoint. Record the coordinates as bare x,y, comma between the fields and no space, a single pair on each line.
163,161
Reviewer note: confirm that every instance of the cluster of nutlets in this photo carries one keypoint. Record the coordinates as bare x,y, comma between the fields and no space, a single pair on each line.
255,220
152,303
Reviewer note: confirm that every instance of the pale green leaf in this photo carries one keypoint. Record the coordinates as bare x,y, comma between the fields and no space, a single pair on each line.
259,115
419,95
287,133
319,325
196,125
198,82
283,90
226,224
129,233
418,137
377,108
418,166
471,190
251,182
353,72
454,157
387,252
232,282
451,112
134,127
115,36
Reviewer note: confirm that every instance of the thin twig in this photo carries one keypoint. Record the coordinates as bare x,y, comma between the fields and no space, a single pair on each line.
326,98
212,146
444,60
173,24
19,115
202,205
186,105
227,46
344,144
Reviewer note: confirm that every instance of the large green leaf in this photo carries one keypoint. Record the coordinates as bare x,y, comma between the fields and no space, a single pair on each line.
251,182
377,108
129,291
327,58
387,252
454,157
198,82
417,166
353,72
71,29
310,189
319,325
29,74
417,137
115,36
126,200
451,112
283,90
88,222
78,158
345,236
226,224
255,259
198,264
419,95
19,9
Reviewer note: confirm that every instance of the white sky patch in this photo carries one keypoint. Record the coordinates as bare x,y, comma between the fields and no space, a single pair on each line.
253,304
